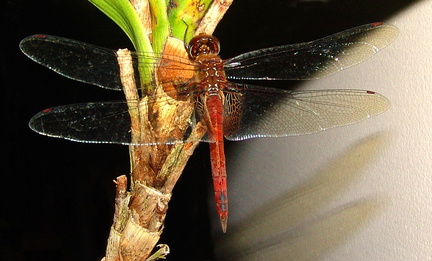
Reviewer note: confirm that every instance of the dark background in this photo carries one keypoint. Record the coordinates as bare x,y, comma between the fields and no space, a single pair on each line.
57,196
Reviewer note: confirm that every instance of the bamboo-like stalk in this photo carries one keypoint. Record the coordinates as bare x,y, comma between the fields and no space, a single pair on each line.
140,213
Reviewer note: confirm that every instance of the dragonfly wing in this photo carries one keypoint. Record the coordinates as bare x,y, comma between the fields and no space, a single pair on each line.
268,112
101,122
314,59
99,66
73,59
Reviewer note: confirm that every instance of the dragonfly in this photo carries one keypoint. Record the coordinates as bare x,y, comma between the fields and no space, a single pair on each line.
231,110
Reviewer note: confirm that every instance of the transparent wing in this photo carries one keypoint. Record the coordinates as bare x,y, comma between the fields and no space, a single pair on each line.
314,59
97,65
98,122
254,111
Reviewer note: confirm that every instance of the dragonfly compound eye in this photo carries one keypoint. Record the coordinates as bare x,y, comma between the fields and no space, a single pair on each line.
203,44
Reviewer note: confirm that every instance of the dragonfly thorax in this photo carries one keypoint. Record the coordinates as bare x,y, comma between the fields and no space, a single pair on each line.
211,76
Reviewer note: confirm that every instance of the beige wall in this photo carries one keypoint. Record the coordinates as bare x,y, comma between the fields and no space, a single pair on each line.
361,192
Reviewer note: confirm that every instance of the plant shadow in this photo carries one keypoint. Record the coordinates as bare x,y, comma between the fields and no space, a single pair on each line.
297,226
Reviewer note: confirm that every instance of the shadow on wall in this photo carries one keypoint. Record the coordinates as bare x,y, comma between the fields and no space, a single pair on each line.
293,228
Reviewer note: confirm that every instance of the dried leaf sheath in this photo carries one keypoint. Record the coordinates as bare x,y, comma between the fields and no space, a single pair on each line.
213,16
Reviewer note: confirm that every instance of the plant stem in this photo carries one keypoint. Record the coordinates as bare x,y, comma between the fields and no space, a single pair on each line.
140,213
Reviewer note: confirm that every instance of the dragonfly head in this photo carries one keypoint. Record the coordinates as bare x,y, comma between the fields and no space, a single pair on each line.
203,44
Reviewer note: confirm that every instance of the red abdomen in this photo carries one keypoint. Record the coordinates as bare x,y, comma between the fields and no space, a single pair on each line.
217,157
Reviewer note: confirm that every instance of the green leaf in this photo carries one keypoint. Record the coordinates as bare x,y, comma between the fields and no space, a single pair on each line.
185,15
160,24
125,16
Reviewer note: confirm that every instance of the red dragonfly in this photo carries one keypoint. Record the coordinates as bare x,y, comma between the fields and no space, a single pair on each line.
231,110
